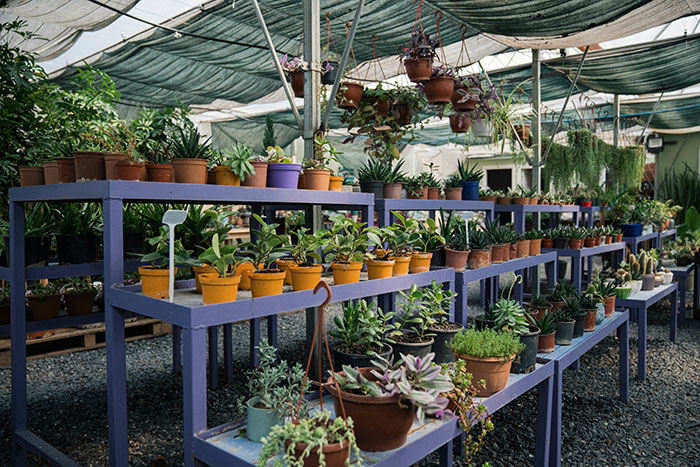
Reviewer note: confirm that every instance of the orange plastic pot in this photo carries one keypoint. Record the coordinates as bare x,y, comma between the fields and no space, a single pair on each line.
401,264
335,183
609,305
317,179
217,289
154,282
283,265
392,190
198,271
493,370
305,277
420,262
505,200
535,246
380,269
190,171
267,282
224,176
523,248
547,243
346,273
556,306
519,200
244,270
66,170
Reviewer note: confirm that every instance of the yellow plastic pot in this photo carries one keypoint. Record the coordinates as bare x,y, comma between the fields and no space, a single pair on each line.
266,282
335,183
305,277
217,289
283,265
154,282
224,176
378,269
199,270
244,269
420,262
346,273
400,265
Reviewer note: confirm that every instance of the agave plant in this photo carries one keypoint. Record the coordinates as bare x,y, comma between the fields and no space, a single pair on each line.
469,173
188,146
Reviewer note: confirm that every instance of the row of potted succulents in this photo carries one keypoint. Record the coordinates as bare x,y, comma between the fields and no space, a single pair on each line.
522,195
641,272
580,237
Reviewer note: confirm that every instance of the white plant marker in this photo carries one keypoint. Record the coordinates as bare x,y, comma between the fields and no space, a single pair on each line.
467,215
172,218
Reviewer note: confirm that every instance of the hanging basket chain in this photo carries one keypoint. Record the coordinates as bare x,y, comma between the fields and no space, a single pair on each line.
463,48
418,19
375,63
438,15
352,50
329,37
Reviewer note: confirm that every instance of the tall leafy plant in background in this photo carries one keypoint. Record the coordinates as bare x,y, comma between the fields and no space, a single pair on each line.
682,187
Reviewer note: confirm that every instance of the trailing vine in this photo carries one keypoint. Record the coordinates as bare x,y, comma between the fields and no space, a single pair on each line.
626,167
559,169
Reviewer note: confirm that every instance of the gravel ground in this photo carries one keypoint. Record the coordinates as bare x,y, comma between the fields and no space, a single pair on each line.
68,403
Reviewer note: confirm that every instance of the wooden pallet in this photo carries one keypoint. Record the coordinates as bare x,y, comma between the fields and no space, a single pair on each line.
88,337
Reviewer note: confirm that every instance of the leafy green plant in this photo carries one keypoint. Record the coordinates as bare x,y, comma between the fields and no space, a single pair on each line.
479,240
199,226
363,330
413,186
275,155
453,181
396,174
374,170
469,173
545,324
220,256
438,302
324,153
415,316
188,145
268,246
307,244
39,220
240,157
37,289
426,235
486,343
539,301
348,240
159,257
80,219
508,314
400,241
80,285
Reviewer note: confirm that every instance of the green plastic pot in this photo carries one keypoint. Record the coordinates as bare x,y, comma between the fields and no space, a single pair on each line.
261,421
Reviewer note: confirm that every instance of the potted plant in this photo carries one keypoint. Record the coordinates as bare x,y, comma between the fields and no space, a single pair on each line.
400,243
572,305
488,355
415,189
453,187
420,241
545,342
564,324
372,175
314,441
304,273
480,246
379,264
363,332
470,177
114,139
80,295
605,288
522,245
383,401
40,221
155,278
647,270
575,236
250,168
31,174
44,300
500,237
393,181
589,304
431,183
439,88
158,164
77,240
418,56
190,157
407,104
293,66
317,175
539,305
263,252
220,286
346,249
281,171
275,387
535,238
411,334
562,289
438,301
457,248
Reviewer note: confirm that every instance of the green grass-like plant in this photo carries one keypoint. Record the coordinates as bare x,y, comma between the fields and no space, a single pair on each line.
486,343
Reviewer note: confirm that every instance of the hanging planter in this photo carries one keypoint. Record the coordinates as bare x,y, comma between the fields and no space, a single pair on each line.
418,56
438,90
349,95
329,70
460,123
297,80
523,131
482,129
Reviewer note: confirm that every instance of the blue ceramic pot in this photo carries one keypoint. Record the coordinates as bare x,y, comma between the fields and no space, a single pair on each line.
283,175
632,230
470,191
260,421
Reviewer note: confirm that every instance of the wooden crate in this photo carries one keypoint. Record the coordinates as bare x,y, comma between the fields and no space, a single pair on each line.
89,337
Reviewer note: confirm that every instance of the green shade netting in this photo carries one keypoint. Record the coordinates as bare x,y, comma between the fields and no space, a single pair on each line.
671,114
536,18
160,69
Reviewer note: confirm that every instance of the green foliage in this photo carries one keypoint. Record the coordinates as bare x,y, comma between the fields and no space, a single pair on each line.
269,135
415,316
486,343
154,129
479,239
307,244
159,257
453,181
199,226
438,302
539,300
396,174
39,220
682,187
544,324
626,167
80,219
324,153
268,246
188,145
80,285
363,328
469,173
374,169
220,256
348,240
240,157
37,289
691,227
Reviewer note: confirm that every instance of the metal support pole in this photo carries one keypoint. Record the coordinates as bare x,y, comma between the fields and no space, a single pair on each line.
536,123
616,120
343,63
275,59
566,101
312,75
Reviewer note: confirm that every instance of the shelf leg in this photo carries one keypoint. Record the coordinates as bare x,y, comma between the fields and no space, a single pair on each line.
555,441
213,356
576,272
623,333
194,388
311,317
228,353
642,344
544,420
177,349
445,453
272,330
682,293
674,314
461,306
254,342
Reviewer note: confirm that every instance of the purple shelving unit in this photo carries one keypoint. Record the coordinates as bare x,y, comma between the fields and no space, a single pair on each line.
668,233
638,304
568,355
588,214
384,206
633,242
577,255
520,210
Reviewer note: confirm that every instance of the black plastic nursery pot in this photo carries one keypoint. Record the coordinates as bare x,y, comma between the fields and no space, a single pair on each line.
341,358
526,360
133,243
565,332
444,354
77,249
480,323
328,77
578,325
417,349
376,187
438,258
561,243
37,250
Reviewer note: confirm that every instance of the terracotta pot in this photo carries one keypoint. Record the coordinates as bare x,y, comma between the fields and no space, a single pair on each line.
589,321
538,311
380,423
317,179
346,273
50,173
618,238
401,264
433,192
224,176
244,269
217,289
154,282
609,305
479,258
198,271
493,199
467,103
383,106
159,172
259,179
523,248
438,90
305,277
89,165
597,241
335,183
43,308
127,170
420,262
283,265
460,123
66,170
454,193
350,97
556,306
520,200
190,171
589,242
419,69
456,259
545,343
575,243
266,282
297,80
535,246
608,239
31,176
405,114
494,370
392,190
380,269
110,165
547,243
499,253
505,200
334,455
79,304
513,249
